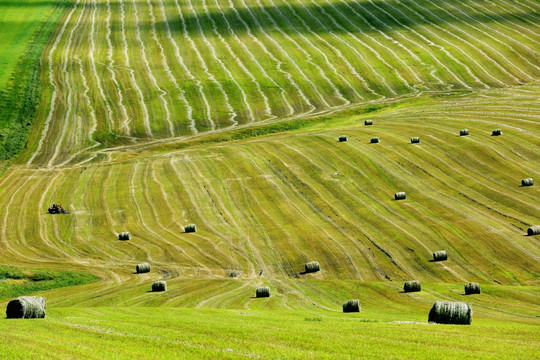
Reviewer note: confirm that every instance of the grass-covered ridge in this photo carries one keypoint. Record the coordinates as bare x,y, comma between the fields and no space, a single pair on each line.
15,281
26,28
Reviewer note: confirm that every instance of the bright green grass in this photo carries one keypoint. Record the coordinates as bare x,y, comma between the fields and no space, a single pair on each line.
173,333
16,281
18,22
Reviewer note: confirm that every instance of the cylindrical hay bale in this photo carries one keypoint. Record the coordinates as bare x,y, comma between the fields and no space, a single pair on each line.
533,230
190,228
400,196
527,182
312,266
496,132
263,291
26,307
368,122
159,286
448,312
415,140
412,286
342,138
123,236
143,268
374,140
472,288
351,306
464,132
440,255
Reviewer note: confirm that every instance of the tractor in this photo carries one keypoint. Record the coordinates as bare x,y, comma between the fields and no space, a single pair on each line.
56,209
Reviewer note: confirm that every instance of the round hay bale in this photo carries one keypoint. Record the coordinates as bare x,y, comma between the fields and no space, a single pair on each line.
351,306
472,288
415,140
368,122
124,236
533,230
464,132
496,132
263,291
143,268
342,138
412,286
400,195
527,182
190,228
26,307
374,140
312,266
448,312
440,255
159,286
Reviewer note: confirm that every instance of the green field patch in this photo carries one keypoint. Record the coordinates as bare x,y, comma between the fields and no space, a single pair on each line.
16,281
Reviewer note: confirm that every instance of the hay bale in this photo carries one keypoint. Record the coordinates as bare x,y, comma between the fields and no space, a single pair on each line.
26,307
234,273
533,230
342,138
448,312
143,268
400,195
527,182
263,291
368,122
412,286
496,132
351,306
440,255
374,140
190,228
124,236
312,266
415,140
464,132
159,286
472,288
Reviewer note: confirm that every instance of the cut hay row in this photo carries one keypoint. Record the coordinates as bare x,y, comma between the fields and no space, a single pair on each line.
354,33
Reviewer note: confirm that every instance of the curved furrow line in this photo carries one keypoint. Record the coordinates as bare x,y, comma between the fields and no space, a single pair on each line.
500,33
96,78
365,21
210,76
532,12
426,49
221,294
308,220
392,39
309,159
451,34
443,49
268,53
200,213
233,115
53,84
110,64
515,25
168,71
310,59
277,61
478,40
276,27
268,111
68,101
359,41
151,76
180,60
336,51
158,220
127,63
